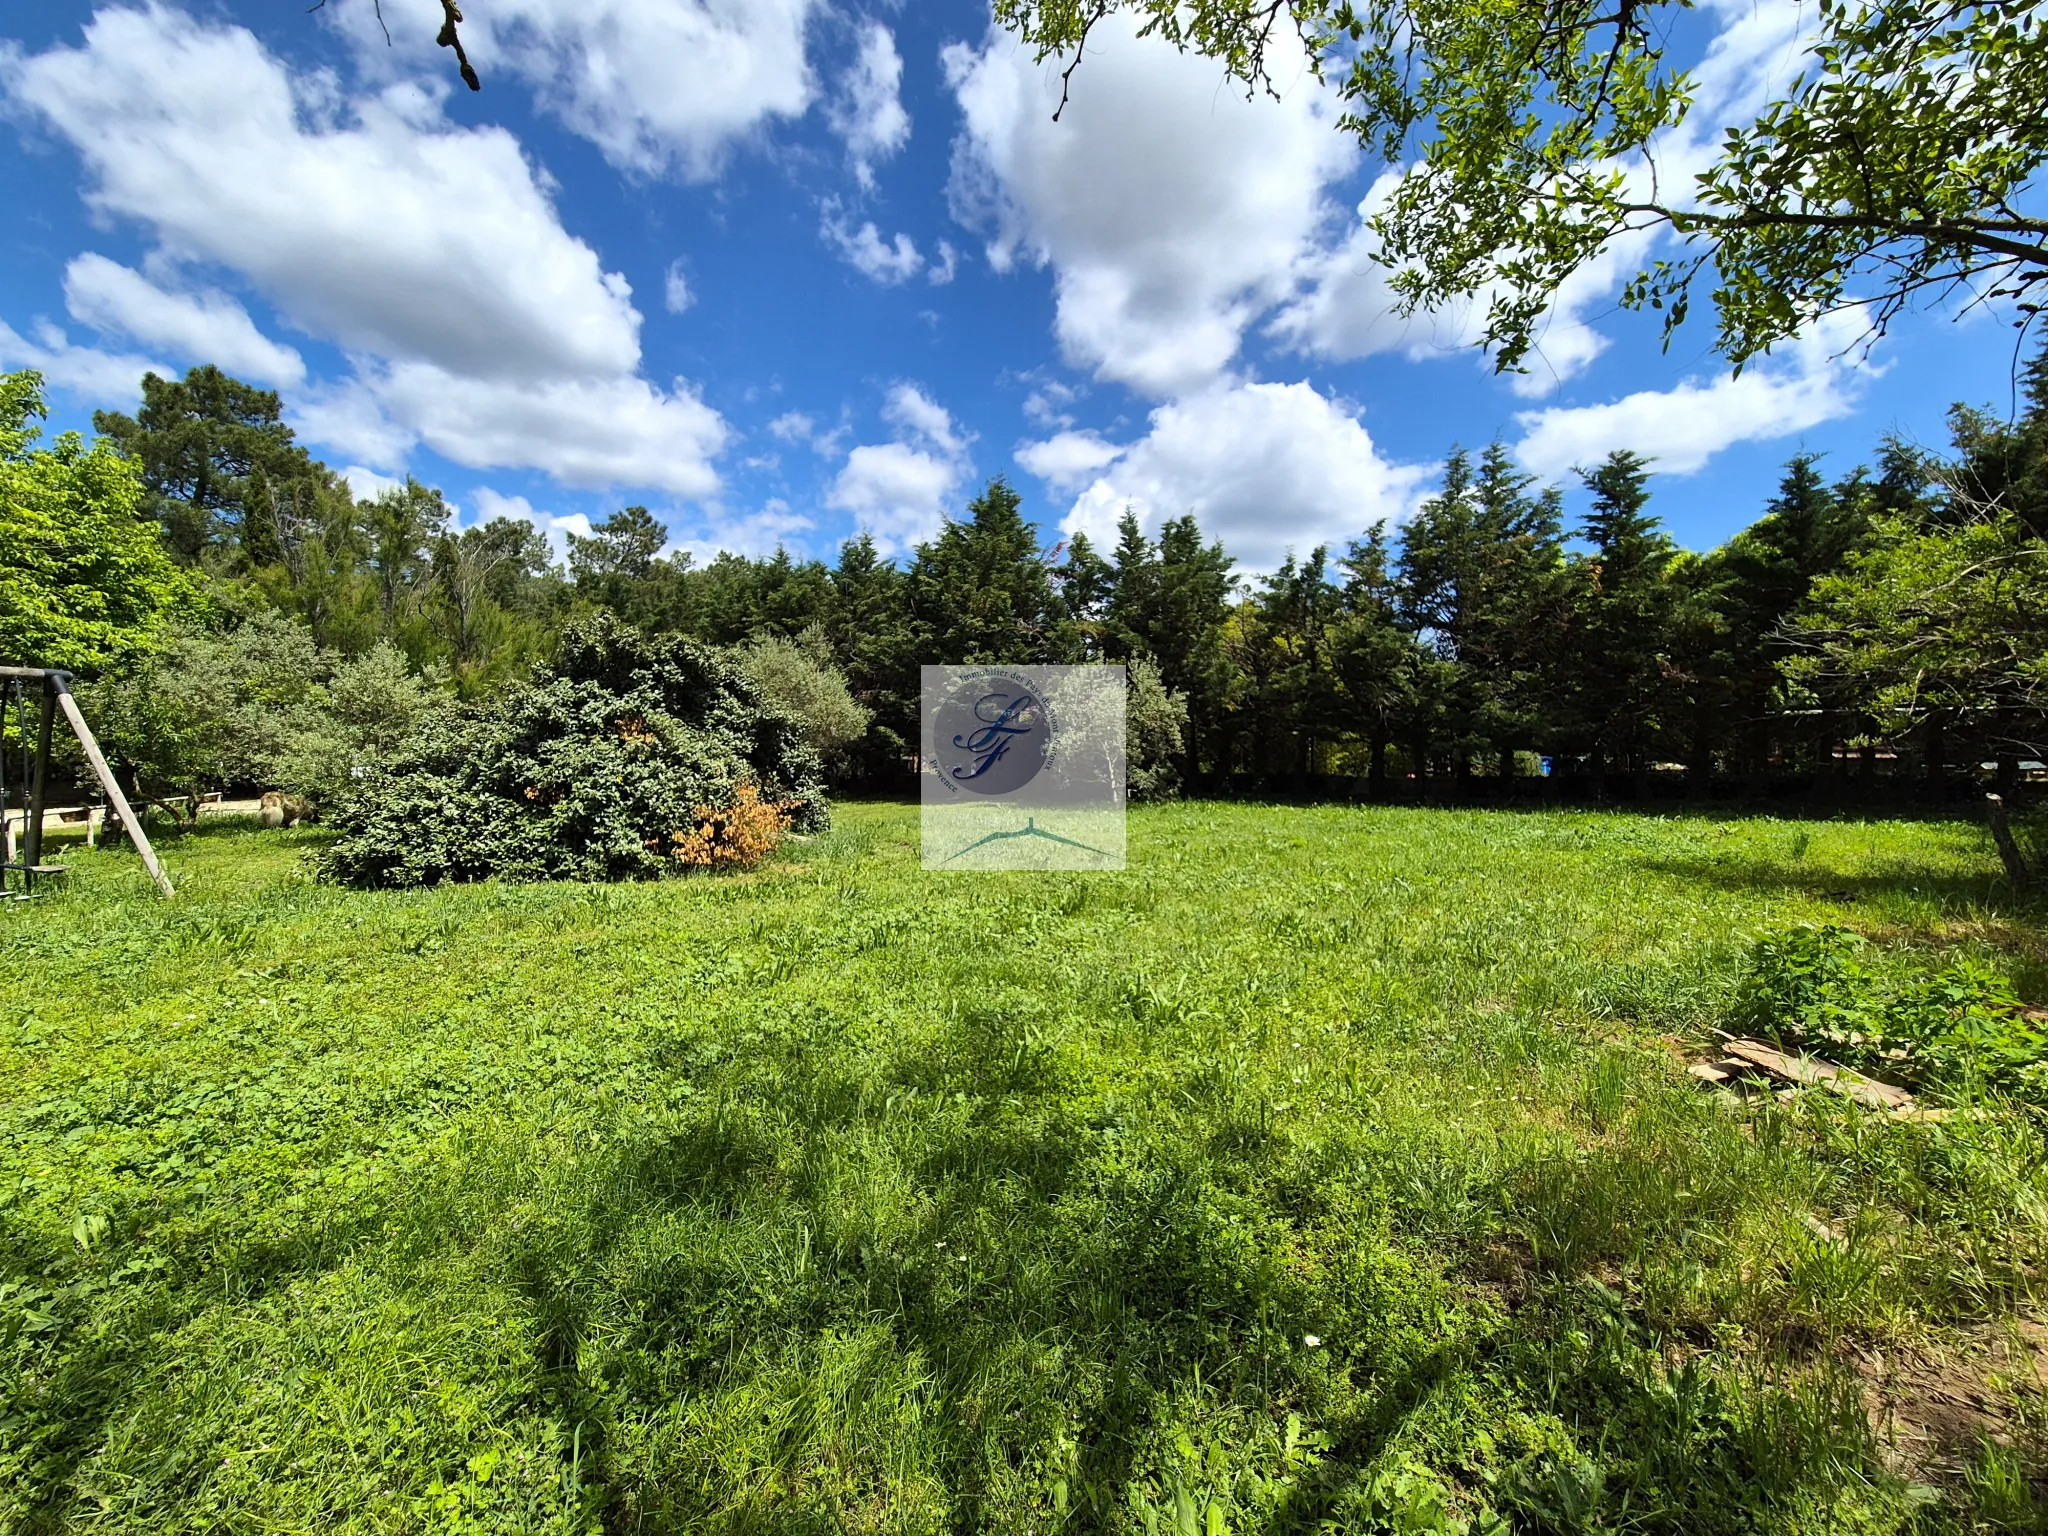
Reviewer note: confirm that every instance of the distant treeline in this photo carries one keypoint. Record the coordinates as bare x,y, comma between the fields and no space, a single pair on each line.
1887,628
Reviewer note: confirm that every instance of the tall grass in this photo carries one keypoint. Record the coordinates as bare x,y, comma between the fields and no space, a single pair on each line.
1329,1170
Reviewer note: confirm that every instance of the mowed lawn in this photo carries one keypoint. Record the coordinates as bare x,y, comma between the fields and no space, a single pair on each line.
1331,1169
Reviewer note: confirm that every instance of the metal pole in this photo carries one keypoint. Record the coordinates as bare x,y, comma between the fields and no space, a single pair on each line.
6,811
32,845
106,777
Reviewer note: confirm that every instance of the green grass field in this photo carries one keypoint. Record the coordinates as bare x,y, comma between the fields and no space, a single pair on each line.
1329,1170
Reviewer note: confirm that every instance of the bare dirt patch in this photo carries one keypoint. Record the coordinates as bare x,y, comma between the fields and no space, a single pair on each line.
1932,1407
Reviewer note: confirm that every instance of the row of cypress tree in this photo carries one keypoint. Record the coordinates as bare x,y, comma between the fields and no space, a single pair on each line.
1449,654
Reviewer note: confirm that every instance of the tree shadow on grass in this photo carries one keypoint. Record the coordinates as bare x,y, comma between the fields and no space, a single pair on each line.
1986,893
1039,1283
1104,1316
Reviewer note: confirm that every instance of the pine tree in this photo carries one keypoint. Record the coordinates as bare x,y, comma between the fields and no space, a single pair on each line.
720,601
1182,629
1086,584
258,530
1626,602
2001,464
1374,661
1133,591
1482,585
1769,569
872,640
1518,627
792,595
1293,701
1370,589
199,440
624,544
980,591
1438,589
403,525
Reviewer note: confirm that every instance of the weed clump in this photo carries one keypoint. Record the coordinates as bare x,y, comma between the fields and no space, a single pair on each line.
1958,1028
626,758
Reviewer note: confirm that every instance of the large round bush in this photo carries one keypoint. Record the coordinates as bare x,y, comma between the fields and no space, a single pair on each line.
602,768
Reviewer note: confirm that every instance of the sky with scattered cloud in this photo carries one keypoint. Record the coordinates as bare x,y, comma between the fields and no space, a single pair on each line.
782,269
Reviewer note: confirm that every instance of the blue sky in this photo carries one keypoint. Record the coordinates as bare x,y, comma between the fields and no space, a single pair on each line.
779,269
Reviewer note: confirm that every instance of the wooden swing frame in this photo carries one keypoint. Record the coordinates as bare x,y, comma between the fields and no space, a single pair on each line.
57,698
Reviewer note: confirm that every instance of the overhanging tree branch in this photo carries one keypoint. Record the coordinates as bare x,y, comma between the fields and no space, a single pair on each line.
1940,109
1986,235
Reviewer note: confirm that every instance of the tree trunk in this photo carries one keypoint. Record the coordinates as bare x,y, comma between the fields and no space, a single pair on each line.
2001,834
2008,760
1934,757
1699,767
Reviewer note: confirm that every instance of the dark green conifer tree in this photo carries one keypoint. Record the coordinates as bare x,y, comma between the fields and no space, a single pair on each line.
1626,600
981,590
199,440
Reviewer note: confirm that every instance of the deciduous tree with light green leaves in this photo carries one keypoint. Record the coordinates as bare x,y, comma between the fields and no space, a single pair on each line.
84,577
1936,629
1902,158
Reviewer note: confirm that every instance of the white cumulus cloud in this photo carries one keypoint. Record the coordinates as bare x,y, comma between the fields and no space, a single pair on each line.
1066,461
385,236
556,527
887,262
659,86
202,327
1681,428
1047,404
1267,468
596,432
923,418
747,533
675,290
1172,210
368,485
89,372
1175,214
432,254
899,493
902,491
1345,308
800,429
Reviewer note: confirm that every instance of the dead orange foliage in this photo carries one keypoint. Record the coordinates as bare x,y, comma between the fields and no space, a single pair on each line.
737,837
